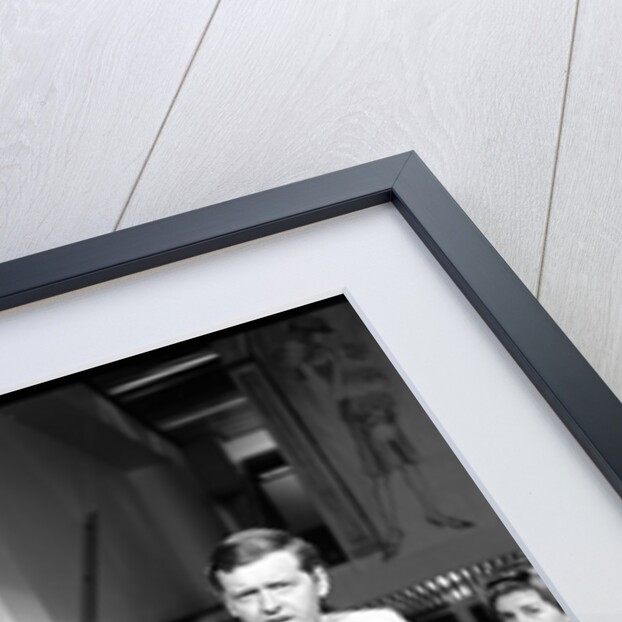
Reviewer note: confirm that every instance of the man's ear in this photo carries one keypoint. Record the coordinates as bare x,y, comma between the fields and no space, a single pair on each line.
229,605
322,581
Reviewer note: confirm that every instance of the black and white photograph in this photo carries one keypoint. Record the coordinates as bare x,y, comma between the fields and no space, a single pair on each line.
310,311
119,483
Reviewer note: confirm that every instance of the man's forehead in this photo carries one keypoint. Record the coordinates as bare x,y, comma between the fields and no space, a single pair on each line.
276,563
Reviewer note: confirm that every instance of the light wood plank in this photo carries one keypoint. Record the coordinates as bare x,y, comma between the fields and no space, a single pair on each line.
282,91
84,87
582,276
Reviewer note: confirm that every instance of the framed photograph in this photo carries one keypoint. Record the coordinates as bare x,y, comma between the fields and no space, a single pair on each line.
346,357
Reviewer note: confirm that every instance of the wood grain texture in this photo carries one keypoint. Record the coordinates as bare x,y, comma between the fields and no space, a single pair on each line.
283,91
582,275
84,87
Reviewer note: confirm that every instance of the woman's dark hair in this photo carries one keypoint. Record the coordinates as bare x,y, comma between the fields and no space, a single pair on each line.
250,545
518,580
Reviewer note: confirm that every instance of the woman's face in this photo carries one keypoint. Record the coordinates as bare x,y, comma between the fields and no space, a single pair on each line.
527,606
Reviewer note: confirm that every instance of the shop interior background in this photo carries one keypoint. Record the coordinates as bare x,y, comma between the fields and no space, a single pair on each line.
117,482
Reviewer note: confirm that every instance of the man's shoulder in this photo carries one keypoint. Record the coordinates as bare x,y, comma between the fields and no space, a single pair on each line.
365,615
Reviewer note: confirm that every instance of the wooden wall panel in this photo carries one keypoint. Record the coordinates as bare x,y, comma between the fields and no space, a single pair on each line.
282,91
84,88
582,275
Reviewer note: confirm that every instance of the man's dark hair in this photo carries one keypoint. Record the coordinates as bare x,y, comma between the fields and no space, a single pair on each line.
245,547
518,580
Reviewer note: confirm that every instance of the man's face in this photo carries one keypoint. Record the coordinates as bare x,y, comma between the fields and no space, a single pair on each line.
527,606
274,589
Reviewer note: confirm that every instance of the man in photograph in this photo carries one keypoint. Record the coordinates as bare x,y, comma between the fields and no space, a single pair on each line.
268,575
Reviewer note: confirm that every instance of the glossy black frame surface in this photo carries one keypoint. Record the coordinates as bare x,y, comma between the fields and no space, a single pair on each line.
574,390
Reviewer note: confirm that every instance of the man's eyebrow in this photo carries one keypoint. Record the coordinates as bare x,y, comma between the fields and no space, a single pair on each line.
245,592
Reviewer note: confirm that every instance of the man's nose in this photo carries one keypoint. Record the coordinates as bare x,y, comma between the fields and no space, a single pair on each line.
269,603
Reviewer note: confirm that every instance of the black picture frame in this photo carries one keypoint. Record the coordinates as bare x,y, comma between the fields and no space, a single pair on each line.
583,402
